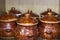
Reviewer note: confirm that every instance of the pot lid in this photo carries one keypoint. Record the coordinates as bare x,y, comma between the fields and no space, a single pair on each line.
49,10
13,10
50,18
27,21
31,14
7,17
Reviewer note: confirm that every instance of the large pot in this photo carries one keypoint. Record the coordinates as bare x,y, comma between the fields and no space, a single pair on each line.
7,25
27,28
15,12
49,27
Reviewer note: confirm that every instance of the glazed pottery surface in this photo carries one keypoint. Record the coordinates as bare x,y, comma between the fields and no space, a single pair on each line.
27,28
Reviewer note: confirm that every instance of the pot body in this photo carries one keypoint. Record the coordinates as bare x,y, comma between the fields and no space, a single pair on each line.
7,29
27,32
49,31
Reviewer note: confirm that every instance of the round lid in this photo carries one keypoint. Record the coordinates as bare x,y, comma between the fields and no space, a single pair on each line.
48,10
50,18
27,21
13,10
33,15
7,17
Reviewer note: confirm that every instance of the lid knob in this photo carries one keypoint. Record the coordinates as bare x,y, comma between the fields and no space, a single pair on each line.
49,10
27,15
49,13
29,11
13,8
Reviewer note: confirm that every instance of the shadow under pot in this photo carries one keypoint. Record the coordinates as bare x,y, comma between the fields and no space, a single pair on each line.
49,27
7,25
27,28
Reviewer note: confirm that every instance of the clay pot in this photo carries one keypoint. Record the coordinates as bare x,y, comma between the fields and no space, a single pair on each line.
49,27
15,12
7,25
27,28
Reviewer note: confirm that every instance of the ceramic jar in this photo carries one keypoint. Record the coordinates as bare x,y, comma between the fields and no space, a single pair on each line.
27,28
49,27
7,25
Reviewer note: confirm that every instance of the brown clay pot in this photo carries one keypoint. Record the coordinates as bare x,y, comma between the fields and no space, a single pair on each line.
7,25
43,14
15,12
27,28
49,27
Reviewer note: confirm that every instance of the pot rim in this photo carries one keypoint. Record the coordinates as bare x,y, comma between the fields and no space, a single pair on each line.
50,21
27,24
8,20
